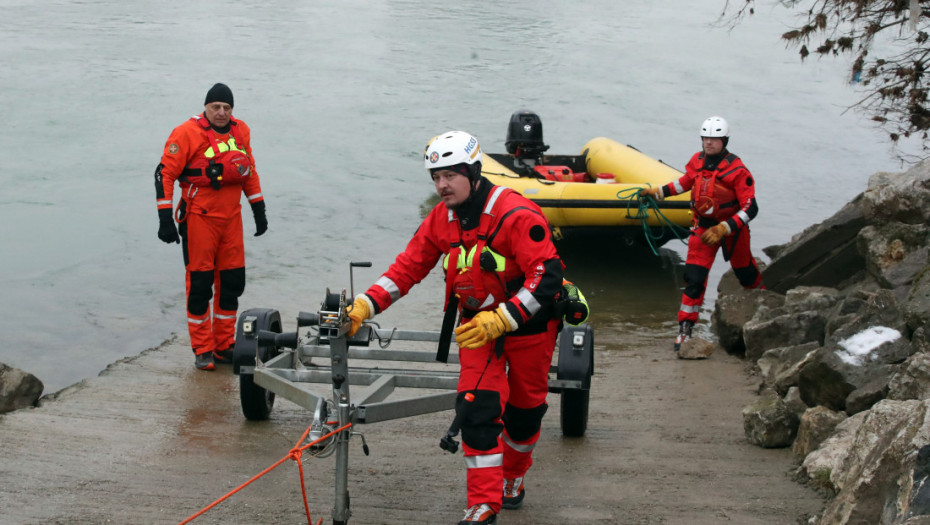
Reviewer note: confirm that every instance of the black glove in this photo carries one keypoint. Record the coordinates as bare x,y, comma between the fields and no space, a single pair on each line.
261,223
166,228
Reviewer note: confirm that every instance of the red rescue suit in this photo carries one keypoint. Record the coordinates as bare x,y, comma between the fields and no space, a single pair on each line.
525,275
722,190
210,220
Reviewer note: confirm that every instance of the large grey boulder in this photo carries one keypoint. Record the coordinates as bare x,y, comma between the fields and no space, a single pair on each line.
864,309
917,307
817,425
734,309
795,404
921,339
898,197
830,253
769,422
787,329
805,298
913,381
18,389
823,466
735,306
802,318
895,254
853,373
824,254
882,477
847,312
780,367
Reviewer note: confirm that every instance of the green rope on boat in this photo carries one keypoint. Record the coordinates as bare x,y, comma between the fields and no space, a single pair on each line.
642,213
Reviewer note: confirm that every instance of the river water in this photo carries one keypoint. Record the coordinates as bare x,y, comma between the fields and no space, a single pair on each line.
341,98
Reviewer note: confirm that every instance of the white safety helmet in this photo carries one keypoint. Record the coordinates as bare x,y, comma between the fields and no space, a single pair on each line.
715,127
452,148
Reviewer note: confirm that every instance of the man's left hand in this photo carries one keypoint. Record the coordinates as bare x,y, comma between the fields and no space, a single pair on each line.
713,235
482,329
656,193
261,222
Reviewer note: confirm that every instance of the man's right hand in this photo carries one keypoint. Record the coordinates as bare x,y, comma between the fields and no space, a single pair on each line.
655,193
167,231
358,312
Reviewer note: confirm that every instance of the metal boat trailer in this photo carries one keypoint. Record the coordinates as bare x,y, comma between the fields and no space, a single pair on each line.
271,362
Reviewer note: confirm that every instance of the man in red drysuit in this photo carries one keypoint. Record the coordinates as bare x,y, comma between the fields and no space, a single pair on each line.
210,155
504,276
723,199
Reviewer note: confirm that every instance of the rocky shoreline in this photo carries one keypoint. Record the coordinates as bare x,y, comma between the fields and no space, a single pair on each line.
840,344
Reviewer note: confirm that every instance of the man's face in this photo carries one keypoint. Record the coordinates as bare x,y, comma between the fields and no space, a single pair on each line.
218,113
712,145
452,187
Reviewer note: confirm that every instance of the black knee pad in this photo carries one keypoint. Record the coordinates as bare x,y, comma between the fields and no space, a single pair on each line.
232,284
198,299
695,277
479,417
748,275
523,423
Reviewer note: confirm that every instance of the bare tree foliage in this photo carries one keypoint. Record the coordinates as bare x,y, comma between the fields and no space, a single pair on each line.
893,79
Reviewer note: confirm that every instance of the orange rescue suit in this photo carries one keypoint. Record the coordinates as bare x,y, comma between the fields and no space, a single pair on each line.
210,217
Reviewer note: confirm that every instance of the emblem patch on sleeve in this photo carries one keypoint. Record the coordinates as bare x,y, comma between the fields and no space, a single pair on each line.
537,233
173,148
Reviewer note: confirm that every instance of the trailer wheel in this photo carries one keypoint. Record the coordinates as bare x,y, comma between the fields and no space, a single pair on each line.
256,401
574,413
576,363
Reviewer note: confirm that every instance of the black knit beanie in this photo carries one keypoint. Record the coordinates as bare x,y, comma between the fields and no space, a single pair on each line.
219,93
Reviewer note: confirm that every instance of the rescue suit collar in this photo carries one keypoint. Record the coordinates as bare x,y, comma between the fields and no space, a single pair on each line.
469,212
712,161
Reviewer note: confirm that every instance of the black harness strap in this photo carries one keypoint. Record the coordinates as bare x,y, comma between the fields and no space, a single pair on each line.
448,325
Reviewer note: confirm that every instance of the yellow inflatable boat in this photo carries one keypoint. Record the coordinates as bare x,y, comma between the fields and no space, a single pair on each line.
595,191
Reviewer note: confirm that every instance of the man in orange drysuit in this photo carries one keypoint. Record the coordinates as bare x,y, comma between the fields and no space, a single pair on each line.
723,199
504,276
210,155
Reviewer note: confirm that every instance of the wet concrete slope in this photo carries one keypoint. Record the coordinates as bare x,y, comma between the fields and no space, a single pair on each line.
151,441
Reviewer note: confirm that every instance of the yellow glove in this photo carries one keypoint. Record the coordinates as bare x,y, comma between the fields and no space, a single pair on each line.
358,312
482,329
714,234
655,193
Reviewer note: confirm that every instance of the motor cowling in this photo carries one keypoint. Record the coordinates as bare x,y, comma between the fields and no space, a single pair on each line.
525,135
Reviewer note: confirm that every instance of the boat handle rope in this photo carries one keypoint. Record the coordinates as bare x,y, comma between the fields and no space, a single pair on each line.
644,204
642,212
295,453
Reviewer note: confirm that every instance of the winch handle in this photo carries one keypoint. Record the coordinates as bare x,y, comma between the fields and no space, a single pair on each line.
356,264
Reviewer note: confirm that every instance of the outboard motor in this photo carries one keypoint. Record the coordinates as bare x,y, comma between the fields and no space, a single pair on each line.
525,135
